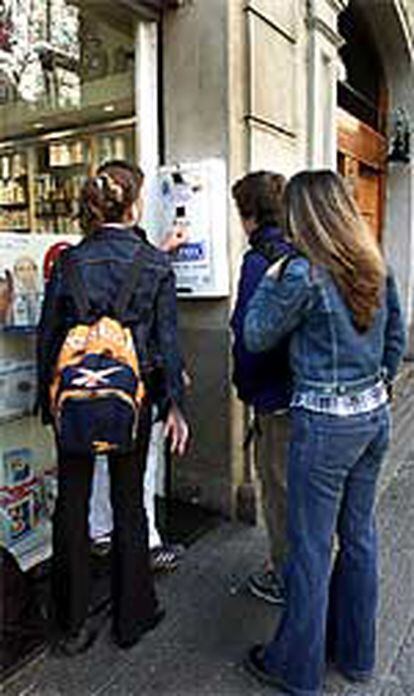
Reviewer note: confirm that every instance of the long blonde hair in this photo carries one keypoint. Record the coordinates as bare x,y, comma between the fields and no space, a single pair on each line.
326,226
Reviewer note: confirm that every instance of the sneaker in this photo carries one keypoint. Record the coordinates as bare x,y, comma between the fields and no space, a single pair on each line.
267,585
75,643
101,546
166,558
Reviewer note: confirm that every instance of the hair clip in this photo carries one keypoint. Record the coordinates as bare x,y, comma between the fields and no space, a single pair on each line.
99,182
116,189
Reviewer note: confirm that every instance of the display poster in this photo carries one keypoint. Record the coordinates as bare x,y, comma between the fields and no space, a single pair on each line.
26,262
193,196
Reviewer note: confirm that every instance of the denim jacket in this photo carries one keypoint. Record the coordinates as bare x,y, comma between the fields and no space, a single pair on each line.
327,354
103,259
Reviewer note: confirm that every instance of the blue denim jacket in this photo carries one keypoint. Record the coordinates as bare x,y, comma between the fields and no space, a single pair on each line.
327,354
103,259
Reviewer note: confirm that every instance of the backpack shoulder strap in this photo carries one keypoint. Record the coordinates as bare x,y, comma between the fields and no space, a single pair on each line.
128,286
267,249
74,280
280,265
285,261
270,251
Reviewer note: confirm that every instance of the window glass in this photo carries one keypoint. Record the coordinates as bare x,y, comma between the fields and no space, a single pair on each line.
62,66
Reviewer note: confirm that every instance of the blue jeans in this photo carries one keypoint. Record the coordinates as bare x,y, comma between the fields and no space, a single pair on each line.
332,472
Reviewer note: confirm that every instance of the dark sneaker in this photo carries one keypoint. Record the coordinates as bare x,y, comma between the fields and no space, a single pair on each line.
354,676
267,585
75,643
254,663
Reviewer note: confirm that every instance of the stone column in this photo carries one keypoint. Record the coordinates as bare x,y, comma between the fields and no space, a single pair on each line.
323,71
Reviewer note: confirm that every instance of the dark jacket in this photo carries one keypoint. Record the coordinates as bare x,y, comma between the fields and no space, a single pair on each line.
103,261
262,381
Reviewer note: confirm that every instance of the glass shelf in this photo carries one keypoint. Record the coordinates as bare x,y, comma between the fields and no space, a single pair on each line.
14,229
18,329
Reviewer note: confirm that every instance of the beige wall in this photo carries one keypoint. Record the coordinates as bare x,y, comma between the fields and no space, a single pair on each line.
195,88
276,103
255,81
196,126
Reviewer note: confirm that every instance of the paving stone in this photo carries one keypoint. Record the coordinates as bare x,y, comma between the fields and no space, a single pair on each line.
403,667
83,675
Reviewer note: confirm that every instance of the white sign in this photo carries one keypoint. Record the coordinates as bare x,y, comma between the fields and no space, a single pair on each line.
26,261
193,196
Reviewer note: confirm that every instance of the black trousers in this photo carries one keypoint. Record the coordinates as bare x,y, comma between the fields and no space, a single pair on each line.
133,595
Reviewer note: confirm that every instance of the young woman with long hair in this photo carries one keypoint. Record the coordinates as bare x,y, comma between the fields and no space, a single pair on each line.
340,307
101,263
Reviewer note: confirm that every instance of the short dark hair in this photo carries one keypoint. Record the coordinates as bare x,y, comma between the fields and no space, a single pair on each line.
105,197
259,195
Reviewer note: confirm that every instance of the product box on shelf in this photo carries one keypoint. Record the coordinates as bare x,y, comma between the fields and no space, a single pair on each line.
25,520
17,388
17,514
18,466
27,489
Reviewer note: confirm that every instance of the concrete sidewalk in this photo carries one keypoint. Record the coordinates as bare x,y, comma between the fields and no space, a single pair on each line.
211,619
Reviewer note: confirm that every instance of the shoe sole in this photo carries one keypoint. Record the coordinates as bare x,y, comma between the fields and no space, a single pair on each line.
256,592
354,678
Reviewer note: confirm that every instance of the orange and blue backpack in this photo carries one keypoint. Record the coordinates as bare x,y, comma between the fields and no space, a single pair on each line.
97,389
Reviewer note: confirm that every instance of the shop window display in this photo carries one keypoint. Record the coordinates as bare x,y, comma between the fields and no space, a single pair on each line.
66,105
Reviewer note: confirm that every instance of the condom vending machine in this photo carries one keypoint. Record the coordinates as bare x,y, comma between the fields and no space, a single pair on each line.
192,196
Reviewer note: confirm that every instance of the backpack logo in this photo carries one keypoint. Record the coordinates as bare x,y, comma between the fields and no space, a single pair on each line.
90,379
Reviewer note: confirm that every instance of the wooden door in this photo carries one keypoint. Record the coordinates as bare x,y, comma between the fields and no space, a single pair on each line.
362,156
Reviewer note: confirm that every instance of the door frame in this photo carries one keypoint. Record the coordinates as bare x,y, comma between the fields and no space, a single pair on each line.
358,142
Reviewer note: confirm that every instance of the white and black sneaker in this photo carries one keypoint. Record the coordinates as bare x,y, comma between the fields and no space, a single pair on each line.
267,585
101,546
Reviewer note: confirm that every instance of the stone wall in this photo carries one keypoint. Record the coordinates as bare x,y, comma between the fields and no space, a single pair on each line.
255,82
195,106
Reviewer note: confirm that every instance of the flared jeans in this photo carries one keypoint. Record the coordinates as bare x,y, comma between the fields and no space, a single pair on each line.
333,467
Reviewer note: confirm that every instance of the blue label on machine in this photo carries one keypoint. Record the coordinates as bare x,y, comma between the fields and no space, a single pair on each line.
193,251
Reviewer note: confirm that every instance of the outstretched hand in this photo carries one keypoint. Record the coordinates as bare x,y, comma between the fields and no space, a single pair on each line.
177,431
175,238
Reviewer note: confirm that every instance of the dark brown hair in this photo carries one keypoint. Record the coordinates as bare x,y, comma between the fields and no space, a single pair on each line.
259,195
107,196
325,223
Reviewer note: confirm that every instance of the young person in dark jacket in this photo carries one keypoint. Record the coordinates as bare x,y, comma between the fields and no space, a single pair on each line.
102,261
163,556
263,381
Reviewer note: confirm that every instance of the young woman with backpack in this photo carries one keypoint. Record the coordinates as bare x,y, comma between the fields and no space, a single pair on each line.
340,306
164,557
110,306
